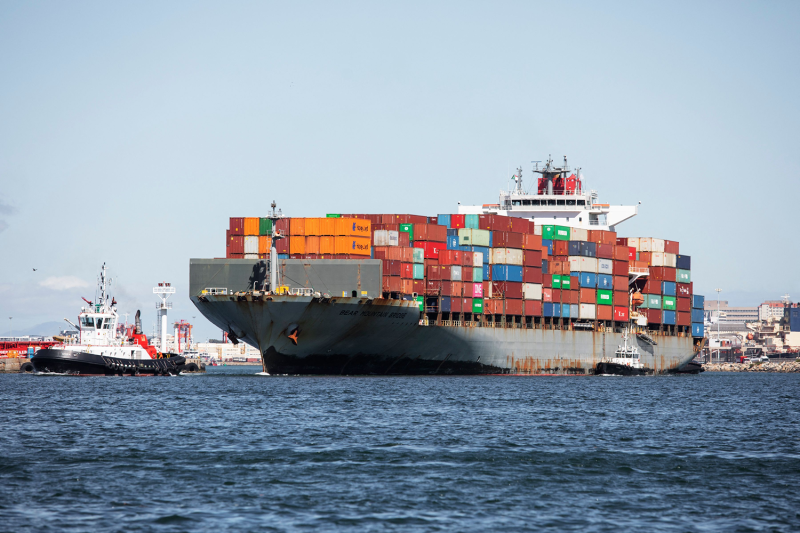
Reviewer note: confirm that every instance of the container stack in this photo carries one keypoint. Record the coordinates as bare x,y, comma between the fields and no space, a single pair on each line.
497,268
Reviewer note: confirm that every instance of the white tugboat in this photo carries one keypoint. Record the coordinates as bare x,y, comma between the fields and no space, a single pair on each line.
101,349
626,361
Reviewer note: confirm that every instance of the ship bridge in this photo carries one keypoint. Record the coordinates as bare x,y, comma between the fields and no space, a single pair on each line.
559,199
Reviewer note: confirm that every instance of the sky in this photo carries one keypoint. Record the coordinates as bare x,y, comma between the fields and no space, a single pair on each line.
131,131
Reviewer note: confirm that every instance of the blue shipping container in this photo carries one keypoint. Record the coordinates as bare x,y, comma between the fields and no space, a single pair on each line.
547,309
697,330
507,273
697,315
483,250
794,318
574,248
697,301
549,244
286,256
588,280
544,266
471,221
588,249
565,311
446,304
452,232
684,262
487,270
668,317
605,281
556,310
574,309
668,288
452,243
443,220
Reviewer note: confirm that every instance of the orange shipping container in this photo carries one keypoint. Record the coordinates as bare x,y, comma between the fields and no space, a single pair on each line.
353,245
327,226
312,244
251,226
312,228
352,227
297,245
327,245
297,226
264,244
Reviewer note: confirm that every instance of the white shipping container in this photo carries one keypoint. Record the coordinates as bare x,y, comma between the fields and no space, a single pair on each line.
455,273
587,311
251,256
579,234
657,259
537,230
645,244
633,242
658,245
513,256
605,266
670,260
497,256
532,291
380,238
251,245
574,263
477,259
588,264
393,238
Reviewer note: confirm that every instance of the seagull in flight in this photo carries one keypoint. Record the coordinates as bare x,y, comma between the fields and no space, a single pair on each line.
34,270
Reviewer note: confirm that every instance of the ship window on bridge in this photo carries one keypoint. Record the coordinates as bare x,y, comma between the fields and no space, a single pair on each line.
517,202
107,325
526,202
581,202
87,322
536,202
561,202
99,323
570,202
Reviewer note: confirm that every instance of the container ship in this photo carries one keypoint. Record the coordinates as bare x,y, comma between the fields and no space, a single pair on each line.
538,283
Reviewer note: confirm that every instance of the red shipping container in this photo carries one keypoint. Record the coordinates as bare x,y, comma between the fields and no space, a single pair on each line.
514,307
532,307
490,307
519,225
653,316
547,295
408,255
237,244
391,268
435,272
508,289
631,253
560,248
556,295
605,251
622,241
621,283
683,318
621,299
391,284
644,257
684,305
547,280
487,287
457,221
237,256
621,253
506,239
456,305
663,273
433,286
532,258
466,272
236,226
684,290
588,296
403,239
531,275
406,286
621,268
281,245
605,312
407,270
574,296
430,233
450,257
671,247
609,237
531,241
652,286
282,226
621,314
452,288
389,219
431,248
419,286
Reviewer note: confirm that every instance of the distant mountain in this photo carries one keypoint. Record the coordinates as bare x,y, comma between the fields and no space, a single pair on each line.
46,328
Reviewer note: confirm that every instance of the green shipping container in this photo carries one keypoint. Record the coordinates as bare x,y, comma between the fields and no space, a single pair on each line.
477,305
474,237
329,215
408,228
264,226
477,274
548,232
556,281
561,233
669,303
471,221
421,302
684,276
419,270
605,297
652,301
419,255
566,284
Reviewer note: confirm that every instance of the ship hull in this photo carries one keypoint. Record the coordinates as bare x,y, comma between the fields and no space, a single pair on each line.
54,360
335,336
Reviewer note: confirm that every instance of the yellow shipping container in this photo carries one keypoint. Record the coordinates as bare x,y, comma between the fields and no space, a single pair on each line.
312,228
251,226
352,227
352,245
297,226
327,244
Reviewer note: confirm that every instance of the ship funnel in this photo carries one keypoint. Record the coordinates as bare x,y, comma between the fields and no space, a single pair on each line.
138,330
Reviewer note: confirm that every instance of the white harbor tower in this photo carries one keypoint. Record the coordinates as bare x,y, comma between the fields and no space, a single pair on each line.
164,291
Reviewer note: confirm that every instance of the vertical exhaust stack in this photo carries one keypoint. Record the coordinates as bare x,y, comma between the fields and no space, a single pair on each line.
274,216
164,291
138,319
